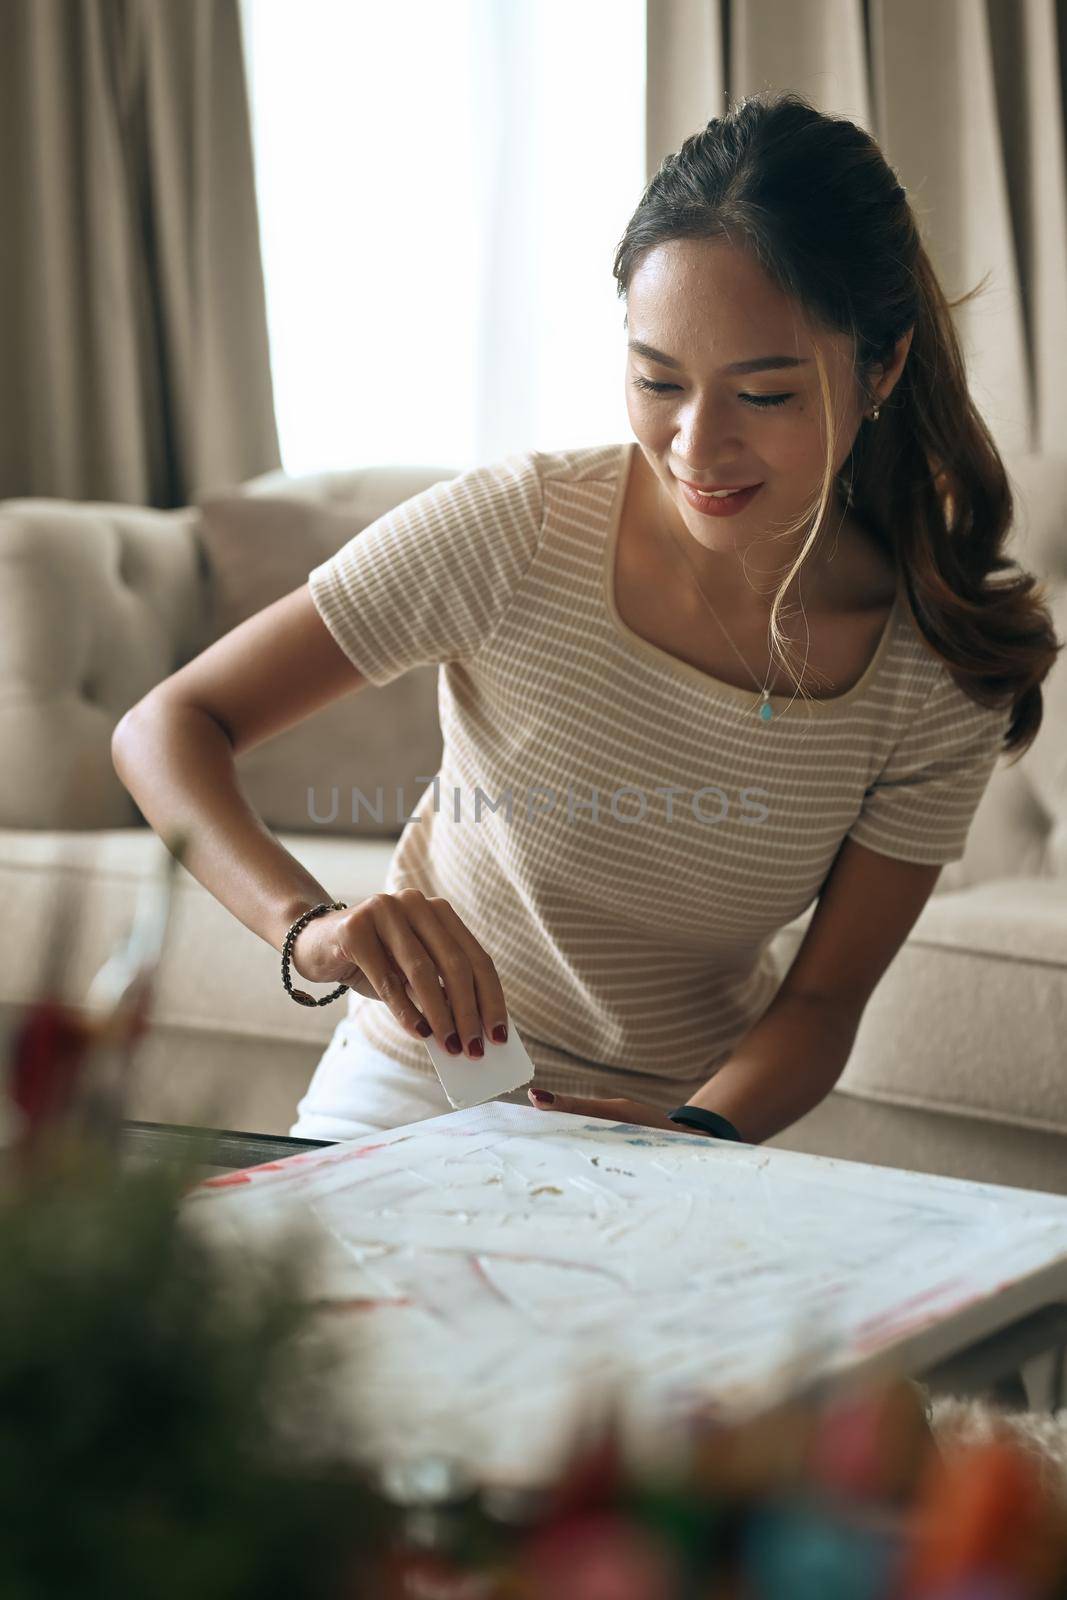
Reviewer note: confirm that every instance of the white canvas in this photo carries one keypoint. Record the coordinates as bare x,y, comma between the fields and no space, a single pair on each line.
493,1270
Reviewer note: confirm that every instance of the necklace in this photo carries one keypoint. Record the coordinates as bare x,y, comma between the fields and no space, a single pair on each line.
764,709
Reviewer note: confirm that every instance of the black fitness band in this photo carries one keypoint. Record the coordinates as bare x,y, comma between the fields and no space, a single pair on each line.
705,1122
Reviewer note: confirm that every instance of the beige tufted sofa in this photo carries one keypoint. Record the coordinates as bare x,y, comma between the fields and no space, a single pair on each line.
960,1064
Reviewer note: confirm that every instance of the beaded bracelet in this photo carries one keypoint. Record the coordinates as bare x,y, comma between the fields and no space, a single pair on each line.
705,1121
299,995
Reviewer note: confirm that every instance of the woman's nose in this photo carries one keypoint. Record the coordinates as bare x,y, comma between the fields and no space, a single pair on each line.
707,434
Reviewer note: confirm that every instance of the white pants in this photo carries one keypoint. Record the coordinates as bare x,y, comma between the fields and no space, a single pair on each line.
355,1089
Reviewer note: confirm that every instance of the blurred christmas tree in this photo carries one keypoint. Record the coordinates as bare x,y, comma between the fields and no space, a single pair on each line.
139,1453
145,1377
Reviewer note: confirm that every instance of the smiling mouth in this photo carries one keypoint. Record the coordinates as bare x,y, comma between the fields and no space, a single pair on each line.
718,493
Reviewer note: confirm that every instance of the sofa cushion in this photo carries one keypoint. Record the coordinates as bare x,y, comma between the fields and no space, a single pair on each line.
98,602
971,1014
217,976
969,1018
227,1047
261,540
356,768
1020,826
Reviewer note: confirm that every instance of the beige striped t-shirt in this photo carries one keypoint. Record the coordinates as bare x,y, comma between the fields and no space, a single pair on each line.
619,830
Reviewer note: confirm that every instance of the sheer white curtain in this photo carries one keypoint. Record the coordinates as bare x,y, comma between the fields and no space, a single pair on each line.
442,185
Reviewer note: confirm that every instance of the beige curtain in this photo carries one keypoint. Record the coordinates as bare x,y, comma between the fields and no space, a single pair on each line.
965,98
134,362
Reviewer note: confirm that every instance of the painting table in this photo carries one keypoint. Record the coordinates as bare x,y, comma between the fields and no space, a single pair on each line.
488,1270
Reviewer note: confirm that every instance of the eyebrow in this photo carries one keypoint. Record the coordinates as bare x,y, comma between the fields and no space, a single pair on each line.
756,364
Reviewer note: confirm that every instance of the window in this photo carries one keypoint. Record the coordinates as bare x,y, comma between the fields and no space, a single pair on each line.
441,189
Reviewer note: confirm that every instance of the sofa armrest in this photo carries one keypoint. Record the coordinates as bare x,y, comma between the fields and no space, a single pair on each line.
98,603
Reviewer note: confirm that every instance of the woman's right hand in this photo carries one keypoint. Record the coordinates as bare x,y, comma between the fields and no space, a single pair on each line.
413,952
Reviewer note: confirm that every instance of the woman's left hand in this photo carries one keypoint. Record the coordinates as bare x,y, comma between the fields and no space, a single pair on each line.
617,1110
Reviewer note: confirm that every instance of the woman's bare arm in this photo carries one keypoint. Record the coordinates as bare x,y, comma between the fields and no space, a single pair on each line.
174,751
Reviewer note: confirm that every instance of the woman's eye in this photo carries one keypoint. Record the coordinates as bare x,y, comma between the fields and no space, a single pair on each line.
758,400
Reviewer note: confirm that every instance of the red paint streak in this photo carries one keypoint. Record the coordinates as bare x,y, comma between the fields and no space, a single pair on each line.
480,1271
306,1155
915,1300
886,1331
248,1173
879,1330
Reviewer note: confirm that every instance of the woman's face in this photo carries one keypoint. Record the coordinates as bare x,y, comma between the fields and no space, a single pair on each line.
707,305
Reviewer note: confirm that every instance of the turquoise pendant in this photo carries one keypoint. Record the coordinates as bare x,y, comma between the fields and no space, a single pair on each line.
765,710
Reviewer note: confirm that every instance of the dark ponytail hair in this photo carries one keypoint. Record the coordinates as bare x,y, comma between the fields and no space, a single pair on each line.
814,200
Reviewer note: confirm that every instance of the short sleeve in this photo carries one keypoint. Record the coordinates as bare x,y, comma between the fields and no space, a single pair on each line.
430,580
921,805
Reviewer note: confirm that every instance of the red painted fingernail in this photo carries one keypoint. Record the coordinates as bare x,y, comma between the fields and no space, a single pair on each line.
543,1094
500,1033
476,1047
423,1027
452,1044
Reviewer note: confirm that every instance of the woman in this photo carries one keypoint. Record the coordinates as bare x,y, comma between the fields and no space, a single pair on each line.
672,718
